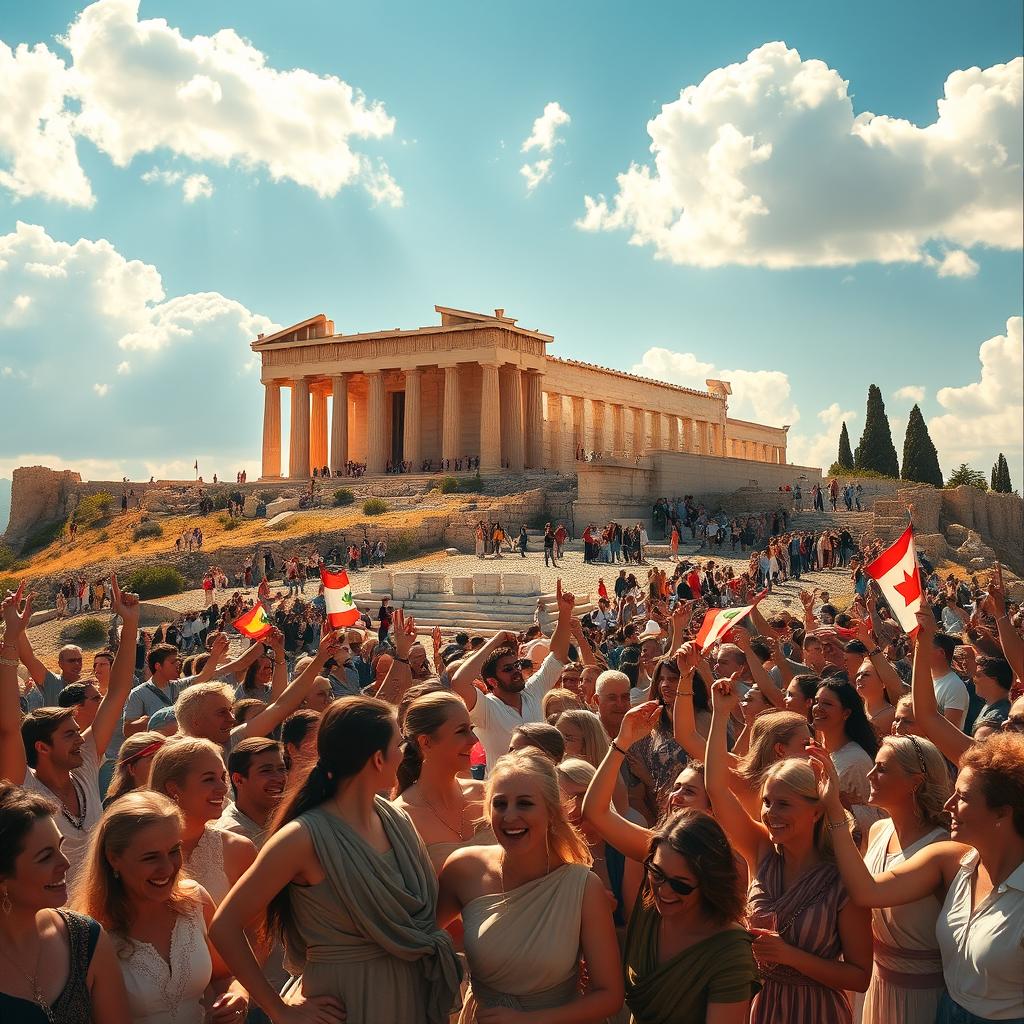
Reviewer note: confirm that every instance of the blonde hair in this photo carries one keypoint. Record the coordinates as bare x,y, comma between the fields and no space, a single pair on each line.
575,770
797,774
122,781
99,891
769,728
186,707
595,739
567,700
176,758
564,841
918,756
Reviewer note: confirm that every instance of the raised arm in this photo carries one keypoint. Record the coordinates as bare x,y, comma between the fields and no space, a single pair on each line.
471,668
122,672
36,669
582,643
629,839
684,722
760,674
747,835
12,751
279,680
947,737
1011,643
891,681
565,603
218,649
810,619
399,676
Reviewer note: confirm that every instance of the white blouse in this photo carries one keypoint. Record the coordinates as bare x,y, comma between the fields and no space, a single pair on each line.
983,951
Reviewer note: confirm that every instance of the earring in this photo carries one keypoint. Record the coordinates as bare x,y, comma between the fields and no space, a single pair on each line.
5,902
117,875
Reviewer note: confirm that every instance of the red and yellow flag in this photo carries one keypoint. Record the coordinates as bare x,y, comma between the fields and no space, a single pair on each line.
254,623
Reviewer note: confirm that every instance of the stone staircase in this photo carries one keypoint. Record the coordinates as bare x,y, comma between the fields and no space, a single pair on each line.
857,523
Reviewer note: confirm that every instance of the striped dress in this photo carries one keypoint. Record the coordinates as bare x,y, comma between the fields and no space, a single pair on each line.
807,917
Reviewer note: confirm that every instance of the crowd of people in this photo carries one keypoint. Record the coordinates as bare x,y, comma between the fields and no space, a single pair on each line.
817,818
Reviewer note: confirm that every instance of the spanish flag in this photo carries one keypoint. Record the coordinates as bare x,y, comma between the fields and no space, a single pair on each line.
254,623
341,608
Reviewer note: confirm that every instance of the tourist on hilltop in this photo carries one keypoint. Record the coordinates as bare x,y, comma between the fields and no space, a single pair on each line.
534,893
59,966
47,752
522,541
337,851
549,546
561,536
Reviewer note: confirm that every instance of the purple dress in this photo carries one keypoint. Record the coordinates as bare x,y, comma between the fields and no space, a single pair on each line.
807,917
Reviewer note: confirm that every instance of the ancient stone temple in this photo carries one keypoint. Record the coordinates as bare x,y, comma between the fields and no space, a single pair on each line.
478,386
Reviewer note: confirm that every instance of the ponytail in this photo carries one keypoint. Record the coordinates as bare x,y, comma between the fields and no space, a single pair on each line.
424,716
412,764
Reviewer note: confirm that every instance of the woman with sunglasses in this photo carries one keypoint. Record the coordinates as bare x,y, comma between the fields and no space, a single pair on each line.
687,956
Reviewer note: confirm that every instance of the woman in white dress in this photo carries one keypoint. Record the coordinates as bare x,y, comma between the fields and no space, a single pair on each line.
191,772
132,883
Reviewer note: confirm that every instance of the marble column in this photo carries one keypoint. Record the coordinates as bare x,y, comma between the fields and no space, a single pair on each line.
490,419
655,430
579,427
515,443
318,430
687,440
298,443
412,437
639,433
376,429
451,425
339,421
533,427
597,411
271,430
618,430
673,433
554,421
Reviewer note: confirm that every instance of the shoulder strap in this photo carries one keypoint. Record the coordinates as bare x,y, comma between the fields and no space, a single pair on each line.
163,696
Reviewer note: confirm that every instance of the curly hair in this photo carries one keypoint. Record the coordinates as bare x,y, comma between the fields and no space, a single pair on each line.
999,764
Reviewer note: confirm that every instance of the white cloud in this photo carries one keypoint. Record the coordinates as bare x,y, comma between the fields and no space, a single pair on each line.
37,147
545,129
760,395
191,348
143,86
764,163
985,417
956,263
536,172
193,186
911,392
544,137
822,448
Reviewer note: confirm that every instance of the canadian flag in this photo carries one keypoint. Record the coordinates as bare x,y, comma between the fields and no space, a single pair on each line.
895,570
719,621
341,608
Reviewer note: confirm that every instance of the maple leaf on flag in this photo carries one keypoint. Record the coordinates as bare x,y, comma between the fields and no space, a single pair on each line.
910,588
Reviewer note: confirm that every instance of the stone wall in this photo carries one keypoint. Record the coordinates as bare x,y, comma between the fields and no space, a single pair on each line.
39,496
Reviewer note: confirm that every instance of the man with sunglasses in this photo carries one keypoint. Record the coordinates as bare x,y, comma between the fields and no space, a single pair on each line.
512,699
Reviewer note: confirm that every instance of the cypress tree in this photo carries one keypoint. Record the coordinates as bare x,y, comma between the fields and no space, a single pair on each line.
876,451
1001,482
994,476
920,459
845,459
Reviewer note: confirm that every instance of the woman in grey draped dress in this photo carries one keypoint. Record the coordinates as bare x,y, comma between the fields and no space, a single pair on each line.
347,883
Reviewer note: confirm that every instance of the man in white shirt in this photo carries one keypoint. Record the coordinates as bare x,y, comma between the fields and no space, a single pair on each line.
512,700
950,692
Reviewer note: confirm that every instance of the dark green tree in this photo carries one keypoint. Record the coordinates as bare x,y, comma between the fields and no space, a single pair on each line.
845,460
920,459
1001,476
963,474
876,450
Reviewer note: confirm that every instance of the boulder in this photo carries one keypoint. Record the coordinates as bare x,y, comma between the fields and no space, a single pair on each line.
452,551
252,502
279,505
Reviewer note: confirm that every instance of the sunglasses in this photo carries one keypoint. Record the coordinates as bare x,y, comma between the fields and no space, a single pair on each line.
658,878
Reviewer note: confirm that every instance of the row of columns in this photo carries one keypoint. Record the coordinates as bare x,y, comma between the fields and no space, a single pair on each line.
757,451
511,421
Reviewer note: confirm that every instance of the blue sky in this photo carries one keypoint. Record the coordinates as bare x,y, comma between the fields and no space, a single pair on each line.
893,266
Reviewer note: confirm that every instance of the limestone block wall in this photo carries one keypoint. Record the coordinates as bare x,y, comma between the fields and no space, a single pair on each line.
998,518
38,496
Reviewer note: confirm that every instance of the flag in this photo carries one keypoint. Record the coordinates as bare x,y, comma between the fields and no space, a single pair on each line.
718,621
254,623
341,608
895,570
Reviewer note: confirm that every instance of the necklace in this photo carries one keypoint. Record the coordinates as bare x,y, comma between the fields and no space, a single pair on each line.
77,820
437,814
37,995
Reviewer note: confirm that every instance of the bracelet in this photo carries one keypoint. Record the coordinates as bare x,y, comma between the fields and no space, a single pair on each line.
615,746
10,662
874,654
684,693
832,825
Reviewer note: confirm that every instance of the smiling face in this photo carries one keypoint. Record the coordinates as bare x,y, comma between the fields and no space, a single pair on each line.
40,869
85,713
752,704
150,864
828,711
688,791
508,676
786,814
216,718
867,681
796,701
262,788
65,746
971,819
69,661
200,795
572,736
451,743
667,866
518,814
612,704
891,784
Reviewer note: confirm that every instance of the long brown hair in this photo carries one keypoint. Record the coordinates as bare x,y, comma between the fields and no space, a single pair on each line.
99,891
424,716
768,729
122,781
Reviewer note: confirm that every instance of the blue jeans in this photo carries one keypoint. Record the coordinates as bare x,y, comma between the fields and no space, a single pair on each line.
952,1013
794,566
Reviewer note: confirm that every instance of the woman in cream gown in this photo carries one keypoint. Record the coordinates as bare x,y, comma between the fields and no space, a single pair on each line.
530,906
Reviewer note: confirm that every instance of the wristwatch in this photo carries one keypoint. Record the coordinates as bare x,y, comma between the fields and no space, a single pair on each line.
874,653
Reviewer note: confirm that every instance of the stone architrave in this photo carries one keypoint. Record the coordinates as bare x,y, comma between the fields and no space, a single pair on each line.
490,418
318,430
533,408
451,427
272,430
376,456
412,438
339,421
298,443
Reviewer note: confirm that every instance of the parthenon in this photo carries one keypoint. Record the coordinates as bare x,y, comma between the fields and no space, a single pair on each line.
478,386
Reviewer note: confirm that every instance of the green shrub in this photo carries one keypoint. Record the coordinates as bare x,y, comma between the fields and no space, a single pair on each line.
103,535
155,581
220,498
343,496
88,632
853,474
7,557
448,485
43,536
404,545
92,508
147,529
472,485
229,522
374,507
282,525
10,583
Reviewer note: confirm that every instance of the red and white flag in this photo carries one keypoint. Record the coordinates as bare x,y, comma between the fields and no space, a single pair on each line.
718,621
341,608
895,570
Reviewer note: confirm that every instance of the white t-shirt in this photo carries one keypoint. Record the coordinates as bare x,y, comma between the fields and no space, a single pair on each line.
495,721
87,777
950,692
